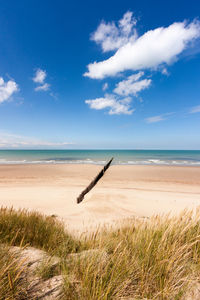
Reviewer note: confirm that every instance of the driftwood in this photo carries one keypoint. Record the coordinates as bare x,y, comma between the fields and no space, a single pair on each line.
94,181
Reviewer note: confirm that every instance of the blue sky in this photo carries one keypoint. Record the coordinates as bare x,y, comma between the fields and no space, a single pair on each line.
100,74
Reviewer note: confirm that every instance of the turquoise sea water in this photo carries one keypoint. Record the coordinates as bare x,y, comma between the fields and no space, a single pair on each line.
129,157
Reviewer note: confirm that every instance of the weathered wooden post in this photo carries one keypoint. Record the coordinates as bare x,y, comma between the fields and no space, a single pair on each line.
94,182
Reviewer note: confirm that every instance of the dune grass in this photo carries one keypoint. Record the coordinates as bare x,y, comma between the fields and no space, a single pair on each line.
149,259
33,229
48,268
158,258
12,282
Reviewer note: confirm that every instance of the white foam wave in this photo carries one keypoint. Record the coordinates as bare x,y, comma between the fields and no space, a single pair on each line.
103,162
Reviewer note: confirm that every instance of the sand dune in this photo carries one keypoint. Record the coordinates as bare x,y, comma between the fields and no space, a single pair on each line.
124,191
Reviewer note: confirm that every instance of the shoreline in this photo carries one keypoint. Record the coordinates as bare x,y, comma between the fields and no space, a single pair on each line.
101,156
99,164
125,191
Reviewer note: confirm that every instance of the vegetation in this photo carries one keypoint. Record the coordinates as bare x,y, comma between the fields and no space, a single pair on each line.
12,281
156,258
48,268
33,229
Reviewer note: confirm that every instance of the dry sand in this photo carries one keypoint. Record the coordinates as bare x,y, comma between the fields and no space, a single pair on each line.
124,191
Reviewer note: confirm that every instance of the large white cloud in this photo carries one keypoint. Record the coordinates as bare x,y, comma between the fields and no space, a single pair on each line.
111,36
154,48
115,106
132,85
7,89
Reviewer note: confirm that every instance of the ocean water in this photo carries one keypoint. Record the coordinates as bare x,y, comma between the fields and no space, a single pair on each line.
121,157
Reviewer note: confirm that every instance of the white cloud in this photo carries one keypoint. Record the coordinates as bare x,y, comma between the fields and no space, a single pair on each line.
43,87
111,36
159,118
155,119
7,89
115,106
132,86
101,103
40,76
105,86
195,109
9,140
165,72
153,49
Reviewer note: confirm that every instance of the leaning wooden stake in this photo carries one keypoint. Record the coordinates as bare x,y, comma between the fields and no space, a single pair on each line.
94,181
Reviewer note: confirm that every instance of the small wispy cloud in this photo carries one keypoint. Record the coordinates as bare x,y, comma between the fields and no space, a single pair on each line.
9,140
159,118
7,89
155,119
105,86
39,78
53,95
43,87
195,109
164,71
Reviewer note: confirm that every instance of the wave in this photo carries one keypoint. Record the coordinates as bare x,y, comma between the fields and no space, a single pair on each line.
102,162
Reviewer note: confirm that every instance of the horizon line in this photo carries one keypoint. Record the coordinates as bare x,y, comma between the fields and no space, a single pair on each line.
97,149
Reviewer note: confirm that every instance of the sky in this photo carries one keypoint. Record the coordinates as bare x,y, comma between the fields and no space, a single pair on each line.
100,74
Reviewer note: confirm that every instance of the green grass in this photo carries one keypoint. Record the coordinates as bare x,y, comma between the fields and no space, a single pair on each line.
144,259
48,268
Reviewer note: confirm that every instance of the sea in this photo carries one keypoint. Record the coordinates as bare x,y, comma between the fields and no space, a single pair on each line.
100,157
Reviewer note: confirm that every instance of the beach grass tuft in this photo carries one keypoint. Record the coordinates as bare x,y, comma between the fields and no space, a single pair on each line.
23,228
12,280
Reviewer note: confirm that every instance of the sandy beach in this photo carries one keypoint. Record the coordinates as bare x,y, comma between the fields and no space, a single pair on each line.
123,192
